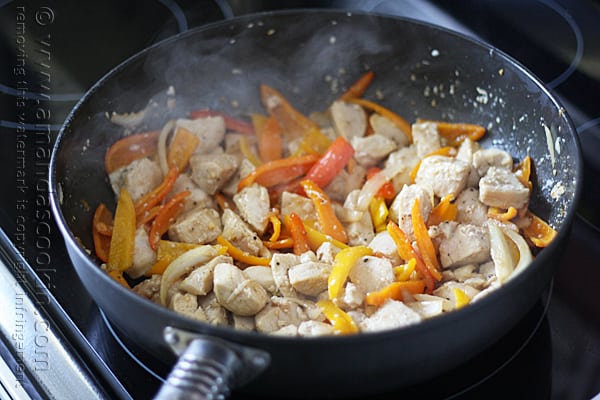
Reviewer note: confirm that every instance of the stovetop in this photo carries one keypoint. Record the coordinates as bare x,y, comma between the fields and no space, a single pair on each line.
53,51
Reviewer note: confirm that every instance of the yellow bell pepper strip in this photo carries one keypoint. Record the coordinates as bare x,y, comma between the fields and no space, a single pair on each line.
386,191
248,152
395,291
120,256
270,140
130,148
406,252
502,215
279,171
286,243
316,239
231,123
118,276
445,210
400,122
182,147
341,321
460,298
424,242
359,87
342,264
538,231
331,163
276,225
298,234
455,133
379,213
102,231
442,151
328,221
241,255
165,218
403,272
151,199
168,251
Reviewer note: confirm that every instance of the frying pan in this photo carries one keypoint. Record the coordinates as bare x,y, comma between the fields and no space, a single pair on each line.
311,56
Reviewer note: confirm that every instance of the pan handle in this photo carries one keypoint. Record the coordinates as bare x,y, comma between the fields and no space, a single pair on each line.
208,367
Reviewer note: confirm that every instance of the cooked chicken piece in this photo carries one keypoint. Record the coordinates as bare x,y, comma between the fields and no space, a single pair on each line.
425,138
483,159
464,272
289,330
383,244
237,293
212,171
279,312
369,150
350,120
345,182
254,206
187,304
465,152
392,314
198,198
362,231
138,178
149,288
371,274
384,126
197,226
464,244
352,297
407,158
210,131
262,275
280,265
445,175
200,280
501,188
315,328
470,209
239,233
243,323
326,252
215,313
488,271
294,203
309,278
143,255
245,168
401,207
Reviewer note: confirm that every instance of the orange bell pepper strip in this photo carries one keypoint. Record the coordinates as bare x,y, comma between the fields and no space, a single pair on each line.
231,123
130,148
399,121
331,163
120,256
342,264
359,87
150,199
424,242
523,172
455,133
165,218
102,218
502,215
118,276
287,243
275,224
270,140
241,255
386,191
279,171
328,221
148,216
538,231
445,210
395,291
182,147
406,252
341,321
291,121
298,234
168,251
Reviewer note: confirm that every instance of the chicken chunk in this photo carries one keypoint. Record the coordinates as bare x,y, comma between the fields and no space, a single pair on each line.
371,274
470,209
406,159
445,175
198,198
262,275
369,150
138,178
483,159
315,328
501,188
309,278
362,231
212,171
239,233
383,244
254,206
237,293
200,280
197,226
143,255
384,126
352,297
149,288
302,206
464,244
187,304
392,314
215,313
465,153
401,207
350,120
345,182
245,168
425,138
280,265
210,131
279,312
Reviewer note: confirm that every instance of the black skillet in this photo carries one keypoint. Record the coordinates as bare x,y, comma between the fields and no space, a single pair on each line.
310,56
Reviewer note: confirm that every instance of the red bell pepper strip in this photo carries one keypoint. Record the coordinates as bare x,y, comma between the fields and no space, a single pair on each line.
182,147
165,218
279,171
102,217
389,114
328,221
386,191
149,200
231,123
298,233
331,163
359,87
130,148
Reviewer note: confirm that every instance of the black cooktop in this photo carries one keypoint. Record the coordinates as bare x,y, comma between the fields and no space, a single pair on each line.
52,52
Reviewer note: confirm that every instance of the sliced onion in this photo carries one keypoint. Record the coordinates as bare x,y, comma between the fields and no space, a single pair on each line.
162,146
373,184
128,120
184,264
501,254
525,256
